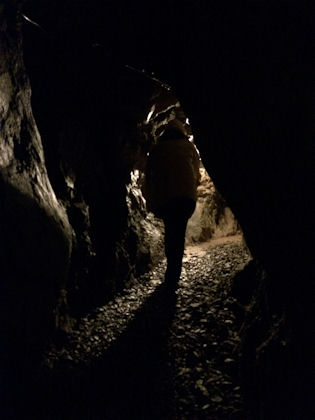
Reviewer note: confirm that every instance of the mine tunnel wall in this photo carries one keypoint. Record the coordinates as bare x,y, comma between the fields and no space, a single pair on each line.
36,236
256,143
248,114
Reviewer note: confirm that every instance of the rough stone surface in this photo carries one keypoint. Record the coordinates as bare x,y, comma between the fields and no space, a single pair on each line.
36,235
212,217
142,244
154,353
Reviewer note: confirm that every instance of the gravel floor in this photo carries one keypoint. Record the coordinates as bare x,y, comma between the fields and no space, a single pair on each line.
155,353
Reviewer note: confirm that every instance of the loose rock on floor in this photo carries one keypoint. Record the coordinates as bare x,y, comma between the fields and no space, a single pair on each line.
154,353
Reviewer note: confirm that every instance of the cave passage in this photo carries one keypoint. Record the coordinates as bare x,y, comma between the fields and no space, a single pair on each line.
88,328
151,353
212,217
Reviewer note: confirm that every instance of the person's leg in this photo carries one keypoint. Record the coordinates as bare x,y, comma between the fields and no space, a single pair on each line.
175,229
176,216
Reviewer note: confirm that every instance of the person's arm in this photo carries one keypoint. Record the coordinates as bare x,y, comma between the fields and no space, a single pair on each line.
196,164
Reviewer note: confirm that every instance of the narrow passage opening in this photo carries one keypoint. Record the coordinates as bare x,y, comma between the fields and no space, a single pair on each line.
152,352
212,219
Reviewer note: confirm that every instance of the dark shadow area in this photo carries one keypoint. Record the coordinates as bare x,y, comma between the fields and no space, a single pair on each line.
28,290
131,381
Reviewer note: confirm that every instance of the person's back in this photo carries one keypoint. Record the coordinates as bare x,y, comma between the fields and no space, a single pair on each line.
172,171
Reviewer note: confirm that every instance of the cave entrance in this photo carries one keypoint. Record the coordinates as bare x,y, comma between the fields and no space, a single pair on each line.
212,219
186,338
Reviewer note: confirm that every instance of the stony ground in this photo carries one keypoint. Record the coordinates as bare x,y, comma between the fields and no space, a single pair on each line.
154,353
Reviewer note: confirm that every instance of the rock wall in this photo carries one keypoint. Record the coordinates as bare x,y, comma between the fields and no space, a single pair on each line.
36,237
212,218
88,116
142,242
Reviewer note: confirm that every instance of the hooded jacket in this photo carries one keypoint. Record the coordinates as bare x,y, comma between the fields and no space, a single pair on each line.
172,172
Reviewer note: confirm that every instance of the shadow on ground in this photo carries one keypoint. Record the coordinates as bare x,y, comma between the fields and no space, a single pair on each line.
131,381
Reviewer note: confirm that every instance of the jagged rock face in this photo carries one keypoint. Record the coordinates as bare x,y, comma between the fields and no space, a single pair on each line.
212,218
36,236
98,147
90,139
142,244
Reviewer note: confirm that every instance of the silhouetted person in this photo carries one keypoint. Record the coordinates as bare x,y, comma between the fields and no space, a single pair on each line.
171,181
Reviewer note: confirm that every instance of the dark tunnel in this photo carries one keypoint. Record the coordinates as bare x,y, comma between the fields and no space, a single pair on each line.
89,327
